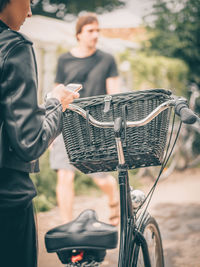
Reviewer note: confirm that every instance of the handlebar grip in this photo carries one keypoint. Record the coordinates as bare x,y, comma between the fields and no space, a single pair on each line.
187,115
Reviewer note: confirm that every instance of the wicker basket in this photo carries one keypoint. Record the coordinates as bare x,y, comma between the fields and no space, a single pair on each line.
92,149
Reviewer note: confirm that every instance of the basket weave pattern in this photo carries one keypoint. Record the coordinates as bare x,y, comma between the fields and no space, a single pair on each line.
93,149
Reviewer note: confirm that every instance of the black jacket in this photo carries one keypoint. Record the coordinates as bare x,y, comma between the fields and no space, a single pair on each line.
26,129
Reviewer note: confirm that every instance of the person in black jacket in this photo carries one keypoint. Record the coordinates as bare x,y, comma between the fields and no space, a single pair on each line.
26,131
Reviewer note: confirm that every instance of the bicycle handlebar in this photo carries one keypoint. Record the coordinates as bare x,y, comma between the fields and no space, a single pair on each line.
186,115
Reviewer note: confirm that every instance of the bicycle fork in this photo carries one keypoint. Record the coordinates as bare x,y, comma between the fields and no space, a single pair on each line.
126,209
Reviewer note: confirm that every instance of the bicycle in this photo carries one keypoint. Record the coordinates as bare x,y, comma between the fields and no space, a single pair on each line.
84,241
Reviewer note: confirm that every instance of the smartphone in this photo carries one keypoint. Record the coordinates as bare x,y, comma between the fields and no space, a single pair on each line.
75,87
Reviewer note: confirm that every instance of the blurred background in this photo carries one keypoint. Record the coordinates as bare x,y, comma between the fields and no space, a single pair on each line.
155,43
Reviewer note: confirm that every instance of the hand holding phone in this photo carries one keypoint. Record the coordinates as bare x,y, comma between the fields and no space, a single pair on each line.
74,87
65,97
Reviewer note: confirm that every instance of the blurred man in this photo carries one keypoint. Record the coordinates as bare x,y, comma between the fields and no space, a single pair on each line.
26,130
97,72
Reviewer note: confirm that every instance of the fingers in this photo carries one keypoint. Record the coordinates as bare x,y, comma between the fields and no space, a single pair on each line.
76,95
64,95
68,99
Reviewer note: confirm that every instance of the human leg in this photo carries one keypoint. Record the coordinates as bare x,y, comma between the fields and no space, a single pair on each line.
59,161
65,193
109,186
18,239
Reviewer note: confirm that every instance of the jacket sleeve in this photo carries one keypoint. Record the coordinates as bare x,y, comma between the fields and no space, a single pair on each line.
30,128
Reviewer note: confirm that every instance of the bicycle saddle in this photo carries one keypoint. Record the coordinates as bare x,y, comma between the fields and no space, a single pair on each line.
83,232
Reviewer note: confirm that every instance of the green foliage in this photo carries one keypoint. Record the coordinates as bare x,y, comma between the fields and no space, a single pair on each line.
84,185
41,203
45,182
60,8
174,32
156,72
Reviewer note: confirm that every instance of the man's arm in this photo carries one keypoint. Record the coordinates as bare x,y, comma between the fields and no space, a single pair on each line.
113,85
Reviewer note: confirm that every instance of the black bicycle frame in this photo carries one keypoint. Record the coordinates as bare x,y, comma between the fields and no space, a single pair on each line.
128,231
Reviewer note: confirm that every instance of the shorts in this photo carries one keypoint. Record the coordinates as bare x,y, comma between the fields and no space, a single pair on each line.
59,159
58,155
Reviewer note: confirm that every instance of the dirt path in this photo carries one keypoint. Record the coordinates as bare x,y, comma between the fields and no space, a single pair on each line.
176,207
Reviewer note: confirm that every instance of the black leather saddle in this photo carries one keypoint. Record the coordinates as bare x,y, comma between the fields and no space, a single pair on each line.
85,232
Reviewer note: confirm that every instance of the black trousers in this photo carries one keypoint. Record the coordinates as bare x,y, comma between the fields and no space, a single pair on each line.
18,242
